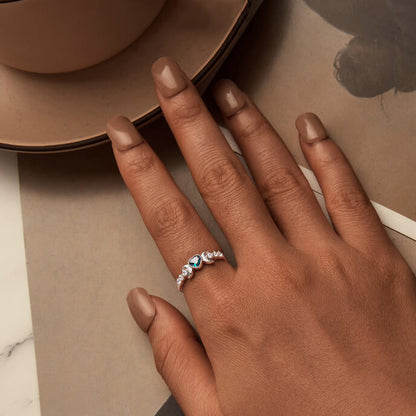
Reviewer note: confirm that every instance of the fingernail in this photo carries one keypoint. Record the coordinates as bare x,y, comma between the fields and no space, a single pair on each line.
229,98
169,78
122,133
141,307
310,128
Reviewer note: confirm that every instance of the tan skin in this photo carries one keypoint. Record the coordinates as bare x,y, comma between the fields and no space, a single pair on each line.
316,319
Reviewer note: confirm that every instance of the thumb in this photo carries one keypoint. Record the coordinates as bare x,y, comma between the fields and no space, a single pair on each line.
179,356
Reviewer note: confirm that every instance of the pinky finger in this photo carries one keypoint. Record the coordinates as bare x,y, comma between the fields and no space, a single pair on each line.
180,358
353,215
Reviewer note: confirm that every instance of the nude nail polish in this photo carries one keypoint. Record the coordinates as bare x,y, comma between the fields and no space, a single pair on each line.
310,128
123,133
169,78
229,98
141,307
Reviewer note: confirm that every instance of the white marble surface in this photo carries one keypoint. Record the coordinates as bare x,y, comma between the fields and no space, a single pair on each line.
18,378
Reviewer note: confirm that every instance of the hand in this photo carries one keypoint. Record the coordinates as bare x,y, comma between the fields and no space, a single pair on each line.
315,320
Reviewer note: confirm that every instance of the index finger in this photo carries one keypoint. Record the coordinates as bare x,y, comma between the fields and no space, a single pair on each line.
171,219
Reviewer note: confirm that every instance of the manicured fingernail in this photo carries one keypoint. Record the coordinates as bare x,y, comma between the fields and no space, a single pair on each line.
310,128
141,307
122,133
169,78
228,97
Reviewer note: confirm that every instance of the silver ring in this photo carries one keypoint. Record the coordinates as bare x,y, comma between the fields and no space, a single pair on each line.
197,262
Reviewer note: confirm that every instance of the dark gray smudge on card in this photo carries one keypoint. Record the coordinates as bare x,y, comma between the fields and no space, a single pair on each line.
382,53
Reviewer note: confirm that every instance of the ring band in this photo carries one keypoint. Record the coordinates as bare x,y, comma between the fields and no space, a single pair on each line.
197,262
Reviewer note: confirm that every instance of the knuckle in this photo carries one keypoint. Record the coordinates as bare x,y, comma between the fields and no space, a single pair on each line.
166,355
220,178
229,329
281,183
338,269
226,324
253,127
170,216
402,279
391,269
347,202
186,113
227,308
227,311
139,164
332,264
332,159
297,279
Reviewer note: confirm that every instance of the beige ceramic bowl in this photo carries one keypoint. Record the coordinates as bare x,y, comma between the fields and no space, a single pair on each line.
67,111
51,36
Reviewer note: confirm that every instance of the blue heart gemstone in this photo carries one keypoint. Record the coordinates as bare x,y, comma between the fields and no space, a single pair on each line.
195,261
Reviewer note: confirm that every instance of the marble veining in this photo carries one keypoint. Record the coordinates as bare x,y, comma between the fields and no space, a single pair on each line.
19,394
9,350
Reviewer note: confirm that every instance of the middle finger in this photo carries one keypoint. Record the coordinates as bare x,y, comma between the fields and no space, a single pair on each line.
220,176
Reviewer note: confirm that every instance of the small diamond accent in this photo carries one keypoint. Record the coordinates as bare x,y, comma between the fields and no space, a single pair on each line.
179,282
207,258
187,271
